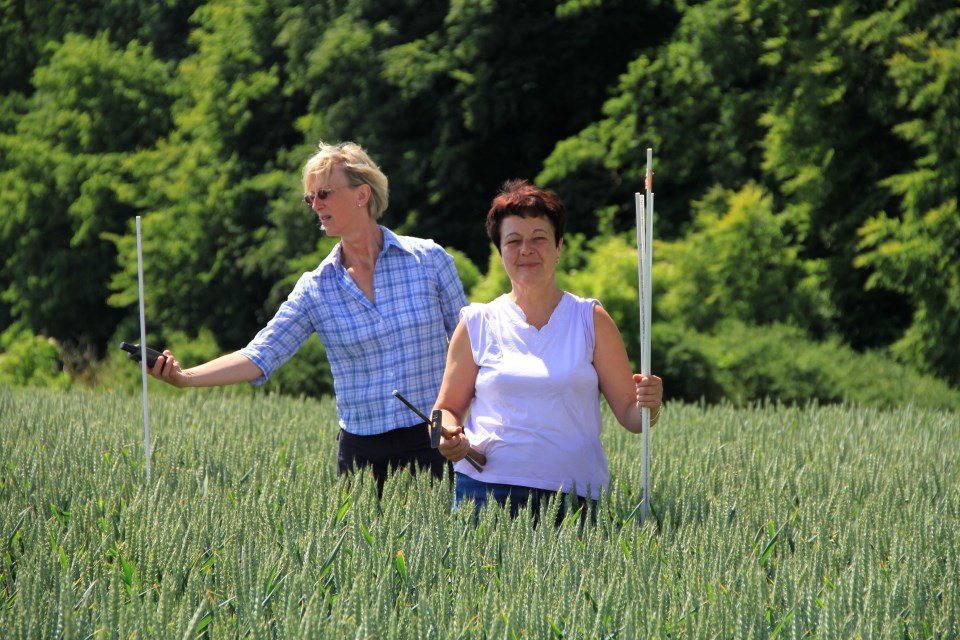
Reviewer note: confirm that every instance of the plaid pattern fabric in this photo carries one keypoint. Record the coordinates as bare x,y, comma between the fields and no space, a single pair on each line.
398,342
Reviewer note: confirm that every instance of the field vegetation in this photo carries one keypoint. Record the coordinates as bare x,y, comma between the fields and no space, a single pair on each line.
769,522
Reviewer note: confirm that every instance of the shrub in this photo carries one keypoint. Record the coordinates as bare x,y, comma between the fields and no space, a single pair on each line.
30,360
744,363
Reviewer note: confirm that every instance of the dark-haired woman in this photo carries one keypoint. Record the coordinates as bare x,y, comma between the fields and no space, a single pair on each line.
529,369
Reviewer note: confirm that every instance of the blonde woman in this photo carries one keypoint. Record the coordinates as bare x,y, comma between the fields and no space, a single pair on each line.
384,307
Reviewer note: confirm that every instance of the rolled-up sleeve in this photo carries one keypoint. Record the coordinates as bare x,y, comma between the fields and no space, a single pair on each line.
452,297
284,334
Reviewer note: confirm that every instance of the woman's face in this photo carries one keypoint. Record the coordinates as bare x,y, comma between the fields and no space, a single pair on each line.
528,249
335,203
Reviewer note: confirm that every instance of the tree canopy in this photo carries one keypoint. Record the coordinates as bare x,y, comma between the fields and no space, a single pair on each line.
806,158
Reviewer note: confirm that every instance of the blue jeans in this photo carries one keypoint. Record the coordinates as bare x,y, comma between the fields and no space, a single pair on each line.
520,497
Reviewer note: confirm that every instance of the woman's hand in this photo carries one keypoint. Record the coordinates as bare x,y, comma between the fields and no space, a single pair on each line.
456,446
649,396
649,391
227,369
167,368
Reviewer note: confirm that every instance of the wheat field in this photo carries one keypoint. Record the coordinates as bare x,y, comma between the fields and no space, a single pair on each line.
768,522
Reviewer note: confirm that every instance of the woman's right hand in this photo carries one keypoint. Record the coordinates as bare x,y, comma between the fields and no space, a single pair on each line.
456,446
167,368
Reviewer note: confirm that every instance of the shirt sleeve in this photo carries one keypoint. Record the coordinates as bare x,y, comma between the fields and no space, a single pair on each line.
587,306
452,298
284,334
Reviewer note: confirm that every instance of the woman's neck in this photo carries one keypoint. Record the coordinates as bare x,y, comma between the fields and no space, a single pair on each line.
536,303
360,249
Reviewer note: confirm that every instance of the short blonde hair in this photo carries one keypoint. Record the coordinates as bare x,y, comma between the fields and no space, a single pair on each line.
357,166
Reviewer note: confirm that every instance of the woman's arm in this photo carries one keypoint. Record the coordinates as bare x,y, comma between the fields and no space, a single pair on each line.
626,392
227,369
456,393
452,298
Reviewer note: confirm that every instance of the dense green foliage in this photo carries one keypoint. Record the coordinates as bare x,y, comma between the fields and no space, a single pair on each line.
805,157
780,522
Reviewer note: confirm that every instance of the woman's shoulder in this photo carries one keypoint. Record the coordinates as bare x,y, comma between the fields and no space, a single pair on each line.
411,244
584,311
482,310
583,303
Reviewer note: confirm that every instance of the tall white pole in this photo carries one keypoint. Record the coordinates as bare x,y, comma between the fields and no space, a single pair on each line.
644,206
143,352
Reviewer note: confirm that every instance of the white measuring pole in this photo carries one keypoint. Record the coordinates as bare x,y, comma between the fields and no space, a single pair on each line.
644,206
143,353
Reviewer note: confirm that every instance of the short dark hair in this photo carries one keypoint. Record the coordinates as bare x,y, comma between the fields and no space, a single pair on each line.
520,198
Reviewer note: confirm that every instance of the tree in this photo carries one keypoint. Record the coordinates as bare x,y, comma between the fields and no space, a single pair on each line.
454,98
209,191
792,96
830,141
93,104
27,27
696,101
918,253
738,262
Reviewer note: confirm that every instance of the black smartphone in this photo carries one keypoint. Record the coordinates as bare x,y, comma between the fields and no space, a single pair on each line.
134,351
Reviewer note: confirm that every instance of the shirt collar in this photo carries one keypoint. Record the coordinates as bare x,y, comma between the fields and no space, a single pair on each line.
390,239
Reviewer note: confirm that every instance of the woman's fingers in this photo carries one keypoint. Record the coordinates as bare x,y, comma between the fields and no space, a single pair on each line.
454,446
649,390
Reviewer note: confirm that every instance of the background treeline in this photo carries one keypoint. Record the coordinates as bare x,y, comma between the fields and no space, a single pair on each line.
807,161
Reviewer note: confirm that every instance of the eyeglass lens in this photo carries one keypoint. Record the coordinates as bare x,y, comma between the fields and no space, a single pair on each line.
321,194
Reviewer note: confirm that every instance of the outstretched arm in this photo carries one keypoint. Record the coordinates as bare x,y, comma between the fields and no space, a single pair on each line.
227,369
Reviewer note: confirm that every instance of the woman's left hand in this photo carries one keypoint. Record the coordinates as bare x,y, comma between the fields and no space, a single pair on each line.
455,446
649,390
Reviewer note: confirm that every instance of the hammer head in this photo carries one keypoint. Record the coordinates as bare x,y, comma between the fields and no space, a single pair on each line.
436,428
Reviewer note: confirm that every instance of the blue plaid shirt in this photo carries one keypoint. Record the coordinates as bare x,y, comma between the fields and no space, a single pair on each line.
398,342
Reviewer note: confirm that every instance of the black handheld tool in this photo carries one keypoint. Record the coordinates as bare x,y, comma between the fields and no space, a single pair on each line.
474,457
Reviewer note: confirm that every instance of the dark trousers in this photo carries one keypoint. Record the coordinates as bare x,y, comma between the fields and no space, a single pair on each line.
405,447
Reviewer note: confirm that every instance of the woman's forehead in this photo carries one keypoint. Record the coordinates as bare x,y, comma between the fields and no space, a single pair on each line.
324,175
525,224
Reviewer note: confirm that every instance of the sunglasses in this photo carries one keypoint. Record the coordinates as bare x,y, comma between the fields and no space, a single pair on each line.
321,194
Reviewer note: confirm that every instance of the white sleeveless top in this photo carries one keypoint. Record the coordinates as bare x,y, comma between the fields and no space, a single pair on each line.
536,412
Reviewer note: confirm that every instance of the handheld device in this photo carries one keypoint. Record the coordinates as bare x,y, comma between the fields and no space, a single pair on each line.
134,351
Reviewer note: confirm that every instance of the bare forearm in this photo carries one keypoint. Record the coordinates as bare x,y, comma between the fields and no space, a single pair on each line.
227,369
631,418
626,406
451,419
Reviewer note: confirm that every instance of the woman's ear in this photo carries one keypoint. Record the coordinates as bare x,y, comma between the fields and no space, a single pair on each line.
363,195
